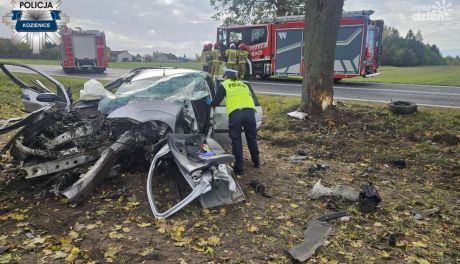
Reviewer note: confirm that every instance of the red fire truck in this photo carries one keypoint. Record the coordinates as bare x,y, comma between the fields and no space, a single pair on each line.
83,50
276,47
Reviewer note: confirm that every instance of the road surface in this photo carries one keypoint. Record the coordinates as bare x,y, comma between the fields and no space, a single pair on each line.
427,95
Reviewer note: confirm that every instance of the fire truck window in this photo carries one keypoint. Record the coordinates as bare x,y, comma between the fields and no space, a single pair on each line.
223,37
258,36
235,37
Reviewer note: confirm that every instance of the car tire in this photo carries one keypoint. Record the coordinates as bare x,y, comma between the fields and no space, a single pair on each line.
402,107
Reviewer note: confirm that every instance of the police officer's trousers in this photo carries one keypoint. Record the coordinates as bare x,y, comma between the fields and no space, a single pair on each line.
238,119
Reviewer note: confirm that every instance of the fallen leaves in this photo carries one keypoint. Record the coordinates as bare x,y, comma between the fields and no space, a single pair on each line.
111,252
13,216
144,224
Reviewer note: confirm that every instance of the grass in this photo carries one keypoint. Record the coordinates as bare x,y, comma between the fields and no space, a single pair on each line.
448,75
357,143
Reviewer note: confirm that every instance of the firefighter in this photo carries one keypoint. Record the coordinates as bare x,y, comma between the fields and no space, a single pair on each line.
206,57
241,111
242,56
210,57
232,56
216,60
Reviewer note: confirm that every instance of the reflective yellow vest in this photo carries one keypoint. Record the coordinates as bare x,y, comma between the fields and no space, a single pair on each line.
232,55
238,96
215,55
205,57
242,56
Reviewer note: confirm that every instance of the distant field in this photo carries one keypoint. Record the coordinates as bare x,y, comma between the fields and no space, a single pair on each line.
431,75
117,65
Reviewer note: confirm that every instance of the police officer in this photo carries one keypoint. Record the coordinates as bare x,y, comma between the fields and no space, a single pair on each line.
232,56
241,114
242,56
216,59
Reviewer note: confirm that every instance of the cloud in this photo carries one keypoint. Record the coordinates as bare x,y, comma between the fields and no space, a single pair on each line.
143,26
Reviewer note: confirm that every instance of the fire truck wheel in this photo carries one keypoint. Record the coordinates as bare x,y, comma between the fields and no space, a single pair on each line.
264,77
99,70
68,70
402,107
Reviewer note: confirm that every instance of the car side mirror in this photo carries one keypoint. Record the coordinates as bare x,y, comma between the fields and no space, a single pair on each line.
46,98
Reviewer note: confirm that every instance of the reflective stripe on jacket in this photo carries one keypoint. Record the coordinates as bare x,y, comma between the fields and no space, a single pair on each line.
232,55
238,96
215,55
242,56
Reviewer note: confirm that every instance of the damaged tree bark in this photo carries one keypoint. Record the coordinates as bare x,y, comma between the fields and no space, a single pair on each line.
322,19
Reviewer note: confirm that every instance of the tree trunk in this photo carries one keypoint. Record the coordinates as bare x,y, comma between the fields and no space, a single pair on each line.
322,20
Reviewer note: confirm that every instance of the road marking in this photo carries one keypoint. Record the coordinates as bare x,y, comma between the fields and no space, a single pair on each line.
397,91
375,83
370,89
356,99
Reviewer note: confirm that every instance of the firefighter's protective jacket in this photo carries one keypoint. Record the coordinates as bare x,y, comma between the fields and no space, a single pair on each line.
232,56
205,57
215,55
242,56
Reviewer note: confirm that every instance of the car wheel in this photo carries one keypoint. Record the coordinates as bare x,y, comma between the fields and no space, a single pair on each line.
402,107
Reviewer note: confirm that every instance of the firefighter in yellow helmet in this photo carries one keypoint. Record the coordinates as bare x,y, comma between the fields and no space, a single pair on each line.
242,57
232,57
206,57
216,60
241,111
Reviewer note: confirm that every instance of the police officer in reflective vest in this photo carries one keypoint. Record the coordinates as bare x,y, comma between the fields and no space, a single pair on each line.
241,114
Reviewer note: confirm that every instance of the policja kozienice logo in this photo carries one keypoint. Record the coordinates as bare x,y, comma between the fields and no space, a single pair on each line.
36,22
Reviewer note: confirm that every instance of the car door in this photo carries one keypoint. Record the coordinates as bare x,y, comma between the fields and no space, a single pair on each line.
34,83
220,117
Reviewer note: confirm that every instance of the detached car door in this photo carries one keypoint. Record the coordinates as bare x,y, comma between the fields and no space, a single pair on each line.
220,118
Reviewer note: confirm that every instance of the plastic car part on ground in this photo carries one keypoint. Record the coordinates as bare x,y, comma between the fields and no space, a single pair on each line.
315,236
368,199
338,191
208,176
298,115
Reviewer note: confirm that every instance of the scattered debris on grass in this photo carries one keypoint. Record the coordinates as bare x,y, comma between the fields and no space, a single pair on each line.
315,236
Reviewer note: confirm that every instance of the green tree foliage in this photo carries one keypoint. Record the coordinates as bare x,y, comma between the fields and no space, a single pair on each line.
453,60
22,51
408,51
238,12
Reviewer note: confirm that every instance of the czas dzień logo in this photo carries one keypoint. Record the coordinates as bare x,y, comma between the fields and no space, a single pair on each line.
36,23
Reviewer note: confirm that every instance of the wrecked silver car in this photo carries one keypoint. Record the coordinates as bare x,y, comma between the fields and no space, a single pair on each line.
159,116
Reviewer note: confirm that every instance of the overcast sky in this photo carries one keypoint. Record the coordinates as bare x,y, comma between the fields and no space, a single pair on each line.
181,26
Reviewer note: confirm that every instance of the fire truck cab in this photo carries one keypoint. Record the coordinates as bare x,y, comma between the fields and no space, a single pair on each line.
276,47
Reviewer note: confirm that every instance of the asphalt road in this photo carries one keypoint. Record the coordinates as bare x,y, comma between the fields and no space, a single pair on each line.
427,95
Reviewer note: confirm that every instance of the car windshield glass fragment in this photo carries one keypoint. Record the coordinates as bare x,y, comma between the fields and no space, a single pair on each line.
177,87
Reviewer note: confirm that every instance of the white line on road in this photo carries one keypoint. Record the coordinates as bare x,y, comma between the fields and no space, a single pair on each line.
355,99
370,90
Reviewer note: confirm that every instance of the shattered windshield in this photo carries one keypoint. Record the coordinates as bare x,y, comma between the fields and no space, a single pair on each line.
177,87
